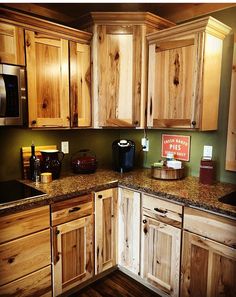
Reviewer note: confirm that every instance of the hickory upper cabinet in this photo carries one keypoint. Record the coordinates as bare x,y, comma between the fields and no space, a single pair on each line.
120,66
184,75
11,44
47,80
57,68
58,76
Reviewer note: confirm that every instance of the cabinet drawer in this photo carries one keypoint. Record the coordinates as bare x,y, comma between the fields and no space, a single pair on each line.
164,211
35,284
22,256
23,223
210,225
71,209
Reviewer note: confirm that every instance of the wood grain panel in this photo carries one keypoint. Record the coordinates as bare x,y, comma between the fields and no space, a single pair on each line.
48,80
80,85
211,226
161,255
231,134
105,229
35,284
11,44
129,230
25,255
73,254
203,268
173,85
25,156
65,211
22,223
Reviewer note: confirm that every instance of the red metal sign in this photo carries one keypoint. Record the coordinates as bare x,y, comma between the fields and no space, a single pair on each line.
179,145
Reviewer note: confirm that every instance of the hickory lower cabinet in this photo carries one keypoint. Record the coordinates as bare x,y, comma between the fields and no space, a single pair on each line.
129,230
25,253
208,266
161,244
105,229
73,249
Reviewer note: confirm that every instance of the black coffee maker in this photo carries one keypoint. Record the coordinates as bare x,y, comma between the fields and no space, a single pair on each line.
123,152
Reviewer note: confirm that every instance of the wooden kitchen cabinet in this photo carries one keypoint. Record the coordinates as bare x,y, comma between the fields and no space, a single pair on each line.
11,44
231,134
105,230
25,253
161,244
80,85
209,257
184,75
129,230
73,249
120,66
47,80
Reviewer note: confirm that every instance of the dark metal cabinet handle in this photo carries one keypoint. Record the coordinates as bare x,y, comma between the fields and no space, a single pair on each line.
99,196
160,210
74,209
144,221
194,123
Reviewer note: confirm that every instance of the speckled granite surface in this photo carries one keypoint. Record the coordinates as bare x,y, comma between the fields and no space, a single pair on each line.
187,191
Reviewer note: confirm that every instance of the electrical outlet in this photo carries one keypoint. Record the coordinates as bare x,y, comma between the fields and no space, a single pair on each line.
207,151
145,144
65,147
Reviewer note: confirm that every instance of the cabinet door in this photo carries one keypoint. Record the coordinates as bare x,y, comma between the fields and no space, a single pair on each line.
161,255
105,229
171,83
231,136
80,85
11,44
48,80
73,254
129,230
208,268
119,75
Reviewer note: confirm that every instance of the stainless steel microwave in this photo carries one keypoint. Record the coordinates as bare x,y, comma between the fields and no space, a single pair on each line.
12,95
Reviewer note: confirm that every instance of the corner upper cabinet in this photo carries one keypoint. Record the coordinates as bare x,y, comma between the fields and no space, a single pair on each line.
120,66
47,80
184,75
11,44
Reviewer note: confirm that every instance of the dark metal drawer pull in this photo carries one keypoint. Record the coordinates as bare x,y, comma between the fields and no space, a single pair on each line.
160,210
74,209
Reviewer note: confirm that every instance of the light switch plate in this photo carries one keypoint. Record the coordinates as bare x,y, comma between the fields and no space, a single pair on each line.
65,147
207,152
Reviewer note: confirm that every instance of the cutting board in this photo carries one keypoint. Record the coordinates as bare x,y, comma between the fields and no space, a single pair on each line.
25,156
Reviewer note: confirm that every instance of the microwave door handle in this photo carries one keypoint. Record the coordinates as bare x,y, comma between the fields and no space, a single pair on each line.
3,102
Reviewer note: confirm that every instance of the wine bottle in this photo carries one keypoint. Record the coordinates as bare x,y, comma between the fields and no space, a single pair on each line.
32,161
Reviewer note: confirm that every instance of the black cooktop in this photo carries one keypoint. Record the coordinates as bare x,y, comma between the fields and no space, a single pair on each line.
14,190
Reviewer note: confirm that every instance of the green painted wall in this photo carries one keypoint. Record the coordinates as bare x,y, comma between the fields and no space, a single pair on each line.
217,138
12,139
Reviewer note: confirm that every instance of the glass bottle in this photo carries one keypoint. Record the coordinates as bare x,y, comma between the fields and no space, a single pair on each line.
32,161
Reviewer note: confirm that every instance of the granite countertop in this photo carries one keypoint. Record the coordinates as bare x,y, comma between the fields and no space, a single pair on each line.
187,191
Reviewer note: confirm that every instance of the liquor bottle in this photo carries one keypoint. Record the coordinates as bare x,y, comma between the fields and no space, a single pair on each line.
34,165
